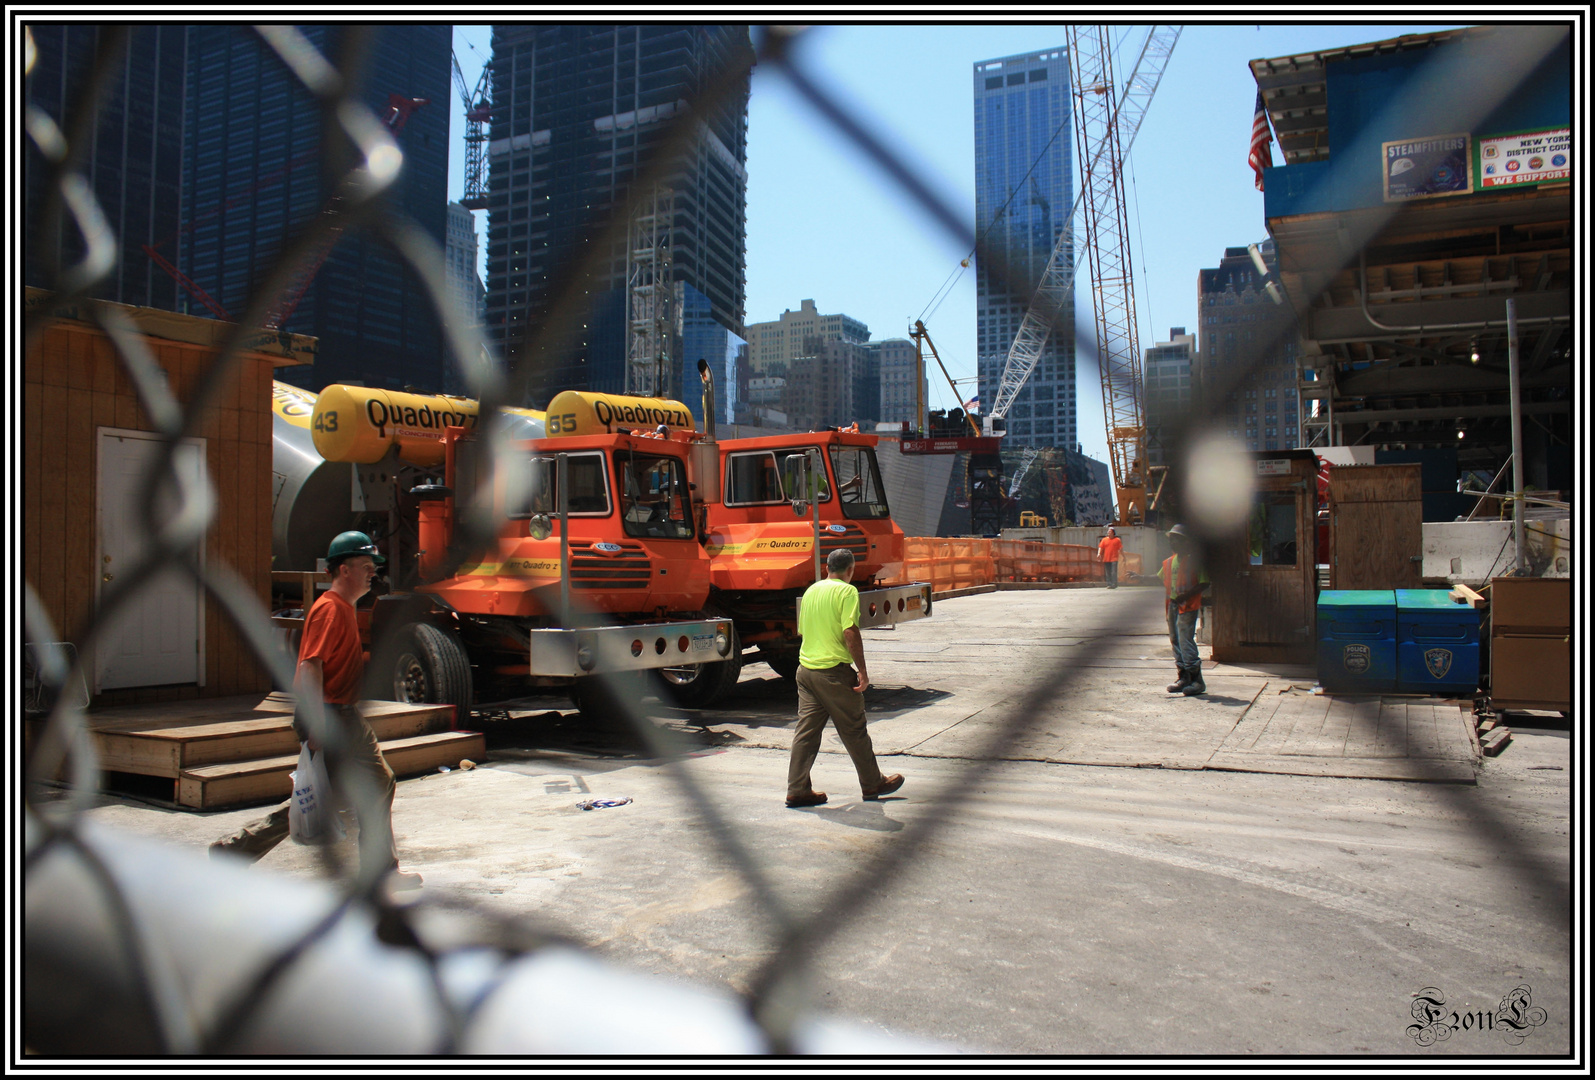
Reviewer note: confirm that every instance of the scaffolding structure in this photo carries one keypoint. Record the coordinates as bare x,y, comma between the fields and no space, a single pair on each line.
650,295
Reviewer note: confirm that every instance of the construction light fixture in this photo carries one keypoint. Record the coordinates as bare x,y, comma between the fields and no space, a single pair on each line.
1475,356
1257,259
1460,433
1275,293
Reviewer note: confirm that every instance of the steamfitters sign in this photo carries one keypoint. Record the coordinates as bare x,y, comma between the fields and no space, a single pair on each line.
1426,168
1527,157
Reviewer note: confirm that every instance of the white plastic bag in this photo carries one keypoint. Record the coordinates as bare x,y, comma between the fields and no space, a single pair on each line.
311,817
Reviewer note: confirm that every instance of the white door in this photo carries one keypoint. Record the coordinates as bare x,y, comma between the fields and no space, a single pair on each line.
154,639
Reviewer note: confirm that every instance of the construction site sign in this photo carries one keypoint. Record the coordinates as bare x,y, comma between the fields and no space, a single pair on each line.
1427,167
1525,157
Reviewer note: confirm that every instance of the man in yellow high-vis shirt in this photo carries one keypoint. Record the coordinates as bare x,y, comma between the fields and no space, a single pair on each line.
829,688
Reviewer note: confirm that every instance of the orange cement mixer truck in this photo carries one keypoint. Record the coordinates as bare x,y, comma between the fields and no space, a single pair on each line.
594,571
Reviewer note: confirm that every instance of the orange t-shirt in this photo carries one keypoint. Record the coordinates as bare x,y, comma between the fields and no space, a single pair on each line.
332,635
1109,548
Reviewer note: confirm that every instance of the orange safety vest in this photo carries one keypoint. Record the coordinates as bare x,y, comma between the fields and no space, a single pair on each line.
1177,578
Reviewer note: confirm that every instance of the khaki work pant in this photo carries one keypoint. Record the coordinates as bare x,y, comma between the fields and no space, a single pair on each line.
829,695
362,778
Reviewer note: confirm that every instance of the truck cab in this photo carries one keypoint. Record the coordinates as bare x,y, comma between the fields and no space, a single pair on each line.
787,502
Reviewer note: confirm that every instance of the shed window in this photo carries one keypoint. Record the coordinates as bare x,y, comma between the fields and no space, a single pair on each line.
1273,530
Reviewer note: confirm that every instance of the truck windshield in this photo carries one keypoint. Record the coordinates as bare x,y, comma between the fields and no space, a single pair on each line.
653,496
859,481
589,490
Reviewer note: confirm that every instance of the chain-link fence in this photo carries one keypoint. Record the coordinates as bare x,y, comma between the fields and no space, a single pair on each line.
116,958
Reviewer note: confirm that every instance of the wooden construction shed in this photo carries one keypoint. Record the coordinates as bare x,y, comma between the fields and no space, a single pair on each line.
1265,590
86,440
1375,527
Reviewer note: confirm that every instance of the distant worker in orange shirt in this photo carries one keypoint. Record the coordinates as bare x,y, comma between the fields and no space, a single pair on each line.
1108,550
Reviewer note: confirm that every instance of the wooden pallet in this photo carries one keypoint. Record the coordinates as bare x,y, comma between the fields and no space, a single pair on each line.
239,782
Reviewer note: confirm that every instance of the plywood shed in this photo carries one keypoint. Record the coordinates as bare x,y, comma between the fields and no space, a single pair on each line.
85,439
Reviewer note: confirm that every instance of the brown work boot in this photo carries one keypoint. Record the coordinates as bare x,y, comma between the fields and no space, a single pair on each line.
255,839
887,785
402,881
1181,683
813,798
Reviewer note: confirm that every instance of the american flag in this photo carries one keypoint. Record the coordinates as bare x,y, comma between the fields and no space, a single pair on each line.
1261,157
973,404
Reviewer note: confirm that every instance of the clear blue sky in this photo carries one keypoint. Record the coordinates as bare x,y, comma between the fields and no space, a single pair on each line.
825,224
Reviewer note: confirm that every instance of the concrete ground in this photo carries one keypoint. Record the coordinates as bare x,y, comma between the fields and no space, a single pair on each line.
1069,904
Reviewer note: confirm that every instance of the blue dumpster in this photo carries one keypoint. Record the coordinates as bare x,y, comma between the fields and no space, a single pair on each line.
1357,640
1437,644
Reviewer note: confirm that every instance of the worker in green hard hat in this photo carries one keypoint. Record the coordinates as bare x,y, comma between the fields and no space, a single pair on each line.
331,666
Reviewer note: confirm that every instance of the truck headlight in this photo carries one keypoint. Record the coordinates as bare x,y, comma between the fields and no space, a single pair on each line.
722,641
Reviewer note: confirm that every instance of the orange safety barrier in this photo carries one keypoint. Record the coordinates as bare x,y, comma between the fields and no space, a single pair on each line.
967,562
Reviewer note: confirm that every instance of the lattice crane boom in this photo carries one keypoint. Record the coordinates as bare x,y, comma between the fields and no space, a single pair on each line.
1104,134
478,112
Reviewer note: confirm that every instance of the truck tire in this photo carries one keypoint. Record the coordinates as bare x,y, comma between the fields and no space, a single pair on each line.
784,662
698,686
427,665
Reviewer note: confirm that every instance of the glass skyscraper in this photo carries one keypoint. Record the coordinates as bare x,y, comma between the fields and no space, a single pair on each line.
134,162
576,109
1024,191
253,178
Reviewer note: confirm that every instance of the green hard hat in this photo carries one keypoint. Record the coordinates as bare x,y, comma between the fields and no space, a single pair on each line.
348,544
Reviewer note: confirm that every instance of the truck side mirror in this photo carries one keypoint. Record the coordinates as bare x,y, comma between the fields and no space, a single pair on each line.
796,477
540,485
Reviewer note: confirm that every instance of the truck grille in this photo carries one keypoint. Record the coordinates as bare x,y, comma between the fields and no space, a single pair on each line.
589,569
853,539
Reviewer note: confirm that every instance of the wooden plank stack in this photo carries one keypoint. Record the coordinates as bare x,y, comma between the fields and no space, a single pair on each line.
235,751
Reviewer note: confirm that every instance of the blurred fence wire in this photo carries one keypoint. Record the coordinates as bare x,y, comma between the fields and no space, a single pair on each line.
121,961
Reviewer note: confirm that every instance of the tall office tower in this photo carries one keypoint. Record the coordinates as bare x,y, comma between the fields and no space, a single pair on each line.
253,180
576,110
900,401
785,338
133,163
1245,334
467,298
1167,376
1024,191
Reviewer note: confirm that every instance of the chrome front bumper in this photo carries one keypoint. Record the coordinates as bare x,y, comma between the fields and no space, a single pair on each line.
889,606
599,650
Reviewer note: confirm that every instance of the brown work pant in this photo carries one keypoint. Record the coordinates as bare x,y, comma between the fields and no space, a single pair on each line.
361,778
829,695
